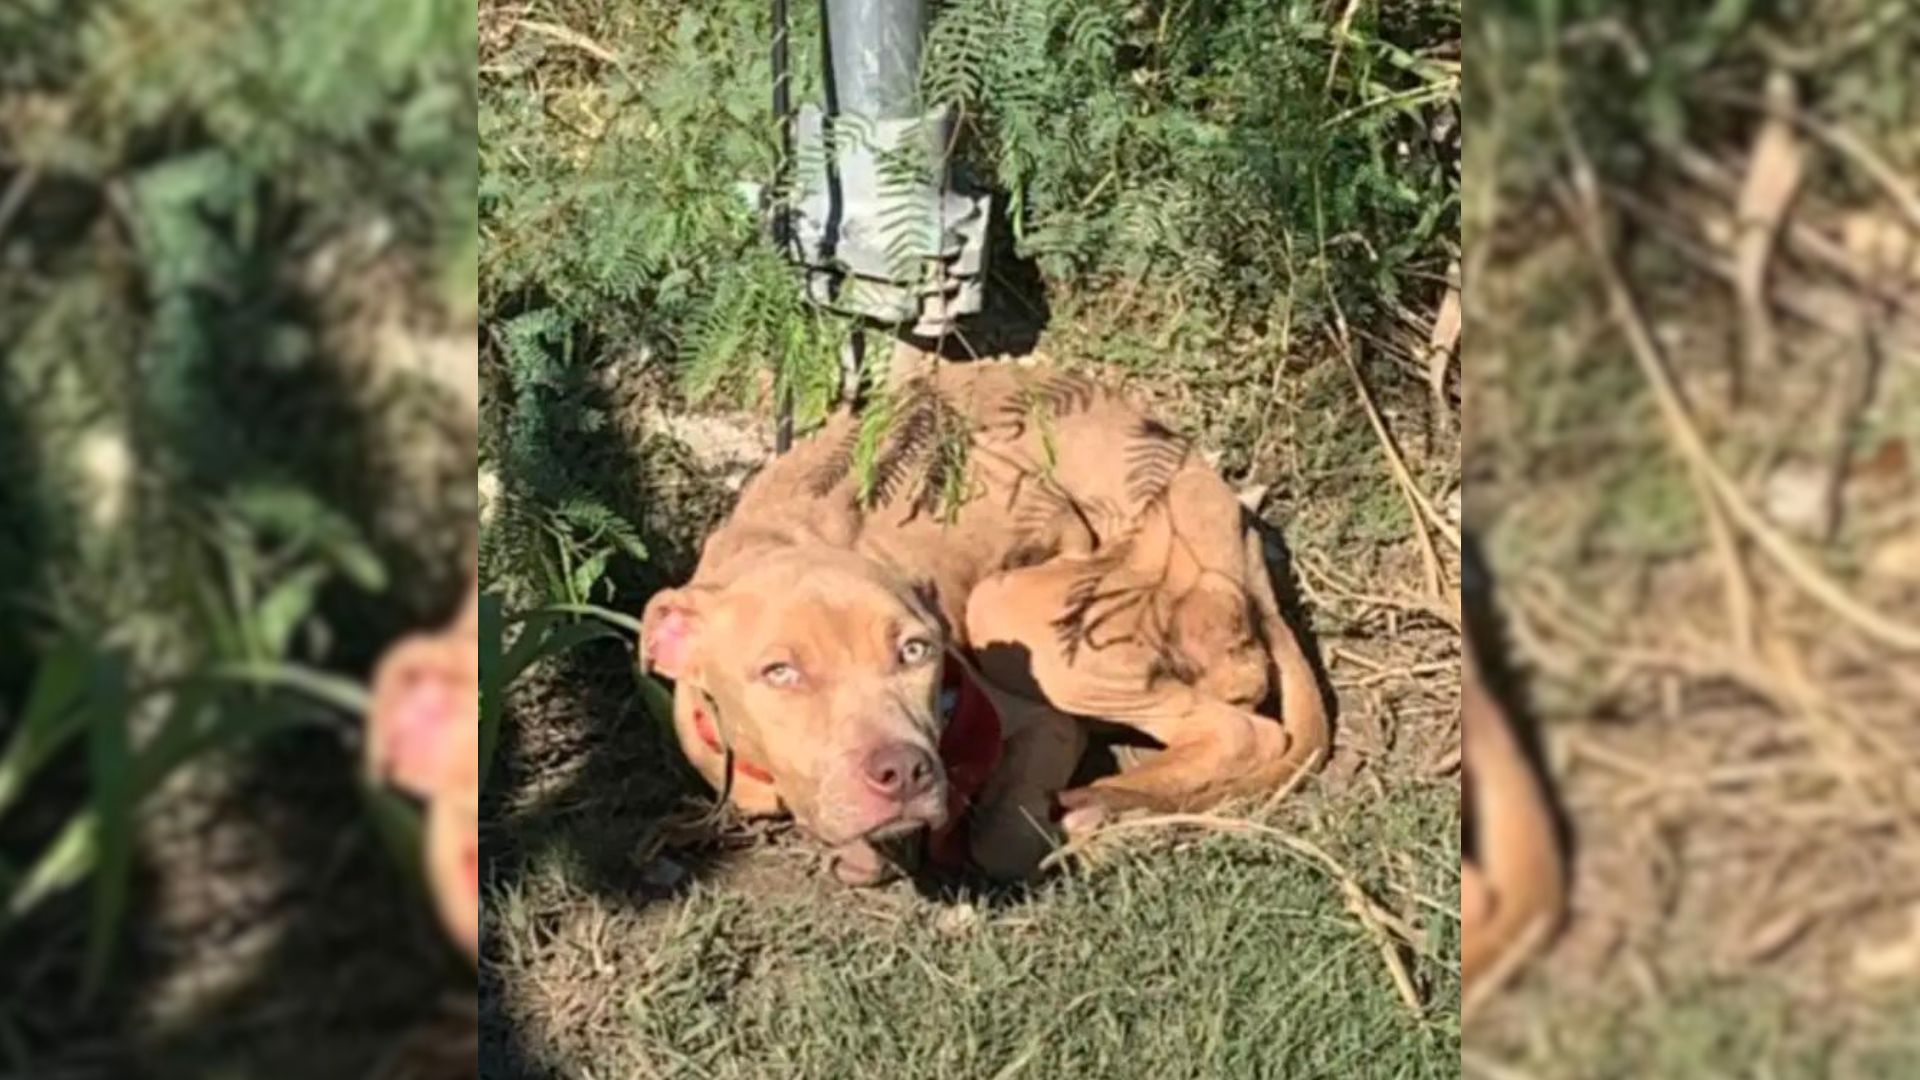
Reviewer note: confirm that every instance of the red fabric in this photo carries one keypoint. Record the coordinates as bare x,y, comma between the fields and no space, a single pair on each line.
703,726
969,750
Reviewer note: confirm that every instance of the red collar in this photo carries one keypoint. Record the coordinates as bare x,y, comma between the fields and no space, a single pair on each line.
703,727
969,750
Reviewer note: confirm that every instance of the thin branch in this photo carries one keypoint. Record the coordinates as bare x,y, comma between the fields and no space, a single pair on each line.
1692,446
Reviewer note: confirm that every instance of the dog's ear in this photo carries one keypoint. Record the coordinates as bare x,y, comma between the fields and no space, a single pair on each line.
423,727
670,630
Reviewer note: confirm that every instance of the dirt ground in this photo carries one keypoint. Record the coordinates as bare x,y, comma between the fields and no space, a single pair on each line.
269,932
1710,601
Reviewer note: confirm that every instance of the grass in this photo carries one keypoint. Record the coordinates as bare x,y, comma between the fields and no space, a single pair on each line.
1730,1026
1183,955
1225,960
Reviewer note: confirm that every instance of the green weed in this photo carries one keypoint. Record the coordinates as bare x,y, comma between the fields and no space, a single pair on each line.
199,549
1247,165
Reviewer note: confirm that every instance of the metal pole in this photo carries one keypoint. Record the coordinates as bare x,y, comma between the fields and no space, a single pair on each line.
873,71
783,115
874,57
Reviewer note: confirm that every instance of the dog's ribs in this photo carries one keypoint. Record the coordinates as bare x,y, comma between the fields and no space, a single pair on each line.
1042,398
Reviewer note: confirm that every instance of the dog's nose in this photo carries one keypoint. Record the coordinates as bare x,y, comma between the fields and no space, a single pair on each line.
899,771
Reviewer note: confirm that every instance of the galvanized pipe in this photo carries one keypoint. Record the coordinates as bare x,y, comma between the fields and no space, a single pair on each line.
873,57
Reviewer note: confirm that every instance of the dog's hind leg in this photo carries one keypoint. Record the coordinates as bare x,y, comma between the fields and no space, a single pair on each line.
1212,748
1303,708
1216,749
1212,751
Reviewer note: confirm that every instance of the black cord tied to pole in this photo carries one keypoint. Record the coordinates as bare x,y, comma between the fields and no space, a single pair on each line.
783,116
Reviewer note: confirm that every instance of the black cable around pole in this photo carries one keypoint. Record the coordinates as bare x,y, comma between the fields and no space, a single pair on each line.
783,114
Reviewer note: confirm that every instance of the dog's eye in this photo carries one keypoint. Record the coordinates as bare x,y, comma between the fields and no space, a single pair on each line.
915,650
780,674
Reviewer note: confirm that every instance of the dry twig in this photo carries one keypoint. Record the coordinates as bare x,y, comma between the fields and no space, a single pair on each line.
1898,187
1692,447
1774,172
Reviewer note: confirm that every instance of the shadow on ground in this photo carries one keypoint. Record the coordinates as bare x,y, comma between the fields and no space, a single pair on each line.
269,933
584,774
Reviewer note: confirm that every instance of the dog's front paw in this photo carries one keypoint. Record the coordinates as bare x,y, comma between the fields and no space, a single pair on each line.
861,865
1085,821
1085,810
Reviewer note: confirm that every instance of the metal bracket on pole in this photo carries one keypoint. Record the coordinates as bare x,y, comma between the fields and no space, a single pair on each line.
883,221
869,202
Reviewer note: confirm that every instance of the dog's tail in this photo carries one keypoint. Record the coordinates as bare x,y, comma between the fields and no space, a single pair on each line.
1519,854
1303,708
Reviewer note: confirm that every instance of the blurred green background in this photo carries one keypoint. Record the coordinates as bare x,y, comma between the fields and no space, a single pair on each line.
229,231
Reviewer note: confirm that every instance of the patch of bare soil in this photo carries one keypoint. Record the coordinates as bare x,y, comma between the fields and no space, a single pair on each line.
269,932
1699,488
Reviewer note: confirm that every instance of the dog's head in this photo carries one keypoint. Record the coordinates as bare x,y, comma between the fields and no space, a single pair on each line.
823,669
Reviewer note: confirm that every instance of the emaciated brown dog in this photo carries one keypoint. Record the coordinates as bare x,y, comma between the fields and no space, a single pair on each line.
1025,537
